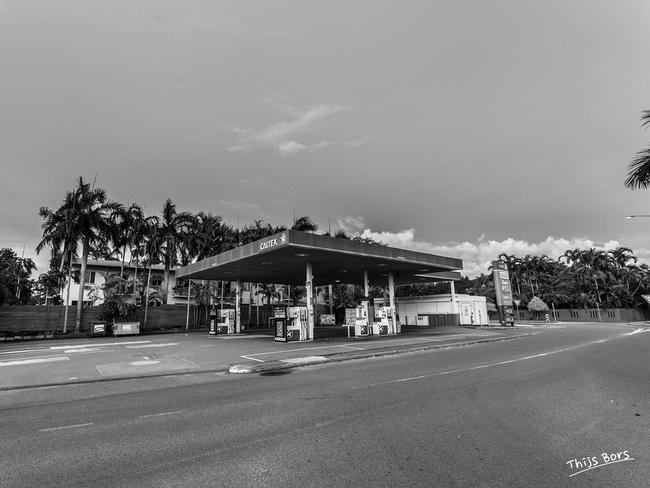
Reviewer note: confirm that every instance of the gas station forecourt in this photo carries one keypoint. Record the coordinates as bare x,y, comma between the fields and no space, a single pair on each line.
299,258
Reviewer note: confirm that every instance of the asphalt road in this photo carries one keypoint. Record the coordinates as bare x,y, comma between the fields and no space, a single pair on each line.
536,411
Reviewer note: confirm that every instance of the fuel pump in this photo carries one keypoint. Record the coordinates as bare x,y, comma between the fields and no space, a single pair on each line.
361,326
212,329
226,324
279,322
382,325
297,328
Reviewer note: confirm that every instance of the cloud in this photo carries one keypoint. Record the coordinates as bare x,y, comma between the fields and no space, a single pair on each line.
337,144
282,136
477,256
290,147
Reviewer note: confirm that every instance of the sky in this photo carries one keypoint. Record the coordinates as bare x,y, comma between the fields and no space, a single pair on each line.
463,128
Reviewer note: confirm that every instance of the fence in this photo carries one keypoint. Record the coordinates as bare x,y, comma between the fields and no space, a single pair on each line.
583,315
18,320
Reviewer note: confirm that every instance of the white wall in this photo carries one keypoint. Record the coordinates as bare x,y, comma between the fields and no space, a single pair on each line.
471,309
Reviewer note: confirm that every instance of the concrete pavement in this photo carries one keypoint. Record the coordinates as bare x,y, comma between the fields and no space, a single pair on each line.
42,363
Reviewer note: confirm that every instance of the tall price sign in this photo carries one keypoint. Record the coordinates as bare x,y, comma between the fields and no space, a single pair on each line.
503,292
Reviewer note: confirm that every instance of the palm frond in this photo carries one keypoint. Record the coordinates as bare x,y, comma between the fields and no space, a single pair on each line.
638,175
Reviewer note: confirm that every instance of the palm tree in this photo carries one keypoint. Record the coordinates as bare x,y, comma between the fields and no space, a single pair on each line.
83,218
638,175
152,251
305,224
125,225
174,227
621,256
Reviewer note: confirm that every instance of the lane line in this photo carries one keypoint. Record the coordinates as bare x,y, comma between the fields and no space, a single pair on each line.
480,366
331,346
253,359
153,345
637,331
162,414
99,344
21,362
66,427
20,351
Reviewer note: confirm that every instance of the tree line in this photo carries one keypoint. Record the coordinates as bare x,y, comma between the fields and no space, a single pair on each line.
87,224
579,278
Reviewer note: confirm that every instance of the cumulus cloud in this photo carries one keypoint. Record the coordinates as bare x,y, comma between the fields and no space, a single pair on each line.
478,255
290,147
281,136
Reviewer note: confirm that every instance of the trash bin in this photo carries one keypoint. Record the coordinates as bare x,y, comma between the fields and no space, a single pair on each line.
98,328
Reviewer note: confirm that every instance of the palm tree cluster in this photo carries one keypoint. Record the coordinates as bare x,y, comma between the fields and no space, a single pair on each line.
89,225
580,278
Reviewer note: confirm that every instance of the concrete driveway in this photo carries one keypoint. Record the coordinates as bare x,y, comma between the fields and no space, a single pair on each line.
47,362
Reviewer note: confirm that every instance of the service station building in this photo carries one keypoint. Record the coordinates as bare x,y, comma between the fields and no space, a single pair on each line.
299,258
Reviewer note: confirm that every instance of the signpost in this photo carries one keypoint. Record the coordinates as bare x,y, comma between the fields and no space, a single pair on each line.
503,292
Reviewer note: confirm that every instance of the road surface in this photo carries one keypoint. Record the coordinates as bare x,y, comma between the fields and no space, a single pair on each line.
565,407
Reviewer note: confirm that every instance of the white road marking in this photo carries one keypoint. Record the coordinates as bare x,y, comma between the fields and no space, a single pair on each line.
281,351
20,362
66,427
241,336
73,378
480,366
99,344
144,363
91,349
305,360
162,414
24,350
253,359
153,345
637,331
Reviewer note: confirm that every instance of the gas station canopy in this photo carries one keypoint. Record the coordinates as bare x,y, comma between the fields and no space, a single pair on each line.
282,259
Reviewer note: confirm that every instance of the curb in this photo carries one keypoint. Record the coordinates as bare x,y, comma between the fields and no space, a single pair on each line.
249,368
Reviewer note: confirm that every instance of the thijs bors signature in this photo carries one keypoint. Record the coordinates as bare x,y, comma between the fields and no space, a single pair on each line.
591,462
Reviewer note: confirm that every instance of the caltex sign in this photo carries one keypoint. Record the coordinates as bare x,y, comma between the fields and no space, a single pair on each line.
273,242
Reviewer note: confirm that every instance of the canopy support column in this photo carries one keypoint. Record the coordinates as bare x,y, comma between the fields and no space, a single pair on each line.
310,301
454,305
391,298
238,306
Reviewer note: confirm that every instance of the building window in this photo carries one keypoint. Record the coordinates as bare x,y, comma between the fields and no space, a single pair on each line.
156,281
90,277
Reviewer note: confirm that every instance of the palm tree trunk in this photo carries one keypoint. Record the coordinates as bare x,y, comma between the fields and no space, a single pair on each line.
82,282
146,304
135,280
166,278
122,266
